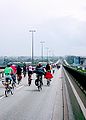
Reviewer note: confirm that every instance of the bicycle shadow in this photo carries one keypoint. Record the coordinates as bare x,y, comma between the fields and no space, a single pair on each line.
32,90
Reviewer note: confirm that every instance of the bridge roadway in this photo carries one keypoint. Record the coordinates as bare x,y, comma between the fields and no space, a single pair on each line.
27,103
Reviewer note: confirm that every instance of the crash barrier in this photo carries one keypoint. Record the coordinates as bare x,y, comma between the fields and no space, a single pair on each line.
79,76
76,107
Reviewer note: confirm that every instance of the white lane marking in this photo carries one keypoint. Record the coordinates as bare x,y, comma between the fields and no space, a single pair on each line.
1,97
77,97
16,89
20,87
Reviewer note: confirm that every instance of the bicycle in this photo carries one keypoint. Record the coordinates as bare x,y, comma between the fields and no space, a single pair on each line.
8,87
19,77
38,82
14,80
48,82
24,73
29,79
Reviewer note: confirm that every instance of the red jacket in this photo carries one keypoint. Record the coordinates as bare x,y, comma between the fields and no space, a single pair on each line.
48,75
14,69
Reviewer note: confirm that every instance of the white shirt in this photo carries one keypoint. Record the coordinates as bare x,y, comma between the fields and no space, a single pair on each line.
30,68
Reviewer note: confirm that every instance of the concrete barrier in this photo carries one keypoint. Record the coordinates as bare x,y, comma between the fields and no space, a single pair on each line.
79,76
77,97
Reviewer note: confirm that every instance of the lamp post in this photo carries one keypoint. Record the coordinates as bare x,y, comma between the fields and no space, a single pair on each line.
47,53
42,42
32,31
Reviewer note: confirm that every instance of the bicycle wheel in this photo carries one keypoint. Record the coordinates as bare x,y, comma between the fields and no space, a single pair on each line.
48,82
39,85
29,81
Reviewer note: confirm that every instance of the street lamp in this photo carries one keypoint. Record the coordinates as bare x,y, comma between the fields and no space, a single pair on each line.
47,53
32,31
42,42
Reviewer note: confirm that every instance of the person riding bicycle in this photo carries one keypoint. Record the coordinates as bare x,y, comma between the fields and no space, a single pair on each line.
8,79
24,69
30,72
48,74
13,74
39,72
19,72
8,70
48,67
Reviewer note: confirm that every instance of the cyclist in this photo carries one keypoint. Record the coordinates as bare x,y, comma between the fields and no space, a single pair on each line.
40,72
8,70
48,74
13,74
19,72
30,71
8,79
48,67
24,69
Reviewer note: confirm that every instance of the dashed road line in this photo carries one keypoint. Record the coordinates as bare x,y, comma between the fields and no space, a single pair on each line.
19,87
16,89
1,97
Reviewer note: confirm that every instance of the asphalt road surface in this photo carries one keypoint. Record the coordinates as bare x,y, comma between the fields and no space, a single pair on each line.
27,103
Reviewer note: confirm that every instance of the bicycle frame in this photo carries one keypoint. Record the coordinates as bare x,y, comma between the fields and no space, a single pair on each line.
39,78
29,79
8,88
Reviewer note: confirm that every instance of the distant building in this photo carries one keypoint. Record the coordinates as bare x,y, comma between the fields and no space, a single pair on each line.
76,61
69,59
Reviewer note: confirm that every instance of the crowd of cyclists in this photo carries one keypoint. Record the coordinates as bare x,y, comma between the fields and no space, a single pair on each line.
13,75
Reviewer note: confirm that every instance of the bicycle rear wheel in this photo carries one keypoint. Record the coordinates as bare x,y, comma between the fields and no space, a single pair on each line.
39,85
29,81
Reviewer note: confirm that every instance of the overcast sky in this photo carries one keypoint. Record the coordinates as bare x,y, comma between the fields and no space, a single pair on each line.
60,23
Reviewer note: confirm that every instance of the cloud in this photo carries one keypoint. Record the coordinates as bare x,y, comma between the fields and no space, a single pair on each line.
61,24
64,35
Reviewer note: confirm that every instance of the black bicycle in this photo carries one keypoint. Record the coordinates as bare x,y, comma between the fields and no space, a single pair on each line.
24,73
8,87
13,80
29,79
19,77
38,82
48,82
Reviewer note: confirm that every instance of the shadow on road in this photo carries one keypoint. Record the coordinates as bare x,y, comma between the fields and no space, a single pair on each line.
34,90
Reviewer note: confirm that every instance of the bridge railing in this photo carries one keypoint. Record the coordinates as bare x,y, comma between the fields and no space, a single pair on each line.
79,76
76,96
